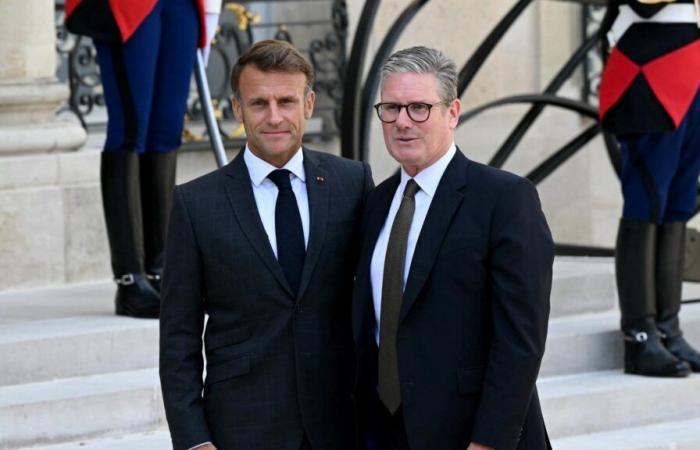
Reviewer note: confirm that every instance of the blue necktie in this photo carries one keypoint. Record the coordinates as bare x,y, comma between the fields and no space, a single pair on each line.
291,250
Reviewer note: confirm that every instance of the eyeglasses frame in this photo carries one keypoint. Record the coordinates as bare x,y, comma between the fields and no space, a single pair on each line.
402,106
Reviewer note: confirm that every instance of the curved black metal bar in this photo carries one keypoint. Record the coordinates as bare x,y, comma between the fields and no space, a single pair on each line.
562,155
352,84
613,152
582,250
372,83
508,146
472,66
545,99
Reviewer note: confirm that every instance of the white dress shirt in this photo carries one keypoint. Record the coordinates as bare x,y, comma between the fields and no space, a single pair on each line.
265,192
428,180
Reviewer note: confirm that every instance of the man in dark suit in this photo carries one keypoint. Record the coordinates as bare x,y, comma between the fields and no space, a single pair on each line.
266,247
451,298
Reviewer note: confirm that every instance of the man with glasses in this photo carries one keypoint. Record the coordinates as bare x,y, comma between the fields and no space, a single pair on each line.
451,296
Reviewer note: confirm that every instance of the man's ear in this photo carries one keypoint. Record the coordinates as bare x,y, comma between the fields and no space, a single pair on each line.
237,109
454,111
309,104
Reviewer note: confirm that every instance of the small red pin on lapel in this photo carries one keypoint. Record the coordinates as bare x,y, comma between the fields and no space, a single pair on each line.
320,179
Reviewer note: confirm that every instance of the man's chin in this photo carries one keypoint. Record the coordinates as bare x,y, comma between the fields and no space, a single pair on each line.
405,155
278,146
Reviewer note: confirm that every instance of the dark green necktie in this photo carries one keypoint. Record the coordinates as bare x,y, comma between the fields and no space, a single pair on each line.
392,290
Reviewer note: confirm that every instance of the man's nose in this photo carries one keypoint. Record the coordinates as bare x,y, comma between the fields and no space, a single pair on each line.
274,114
403,121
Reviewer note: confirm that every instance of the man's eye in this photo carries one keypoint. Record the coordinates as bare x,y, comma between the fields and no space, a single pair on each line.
391,108
418,107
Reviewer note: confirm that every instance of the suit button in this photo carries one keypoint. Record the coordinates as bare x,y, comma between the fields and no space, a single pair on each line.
298,309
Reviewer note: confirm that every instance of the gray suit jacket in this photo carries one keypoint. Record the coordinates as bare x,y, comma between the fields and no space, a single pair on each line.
278,364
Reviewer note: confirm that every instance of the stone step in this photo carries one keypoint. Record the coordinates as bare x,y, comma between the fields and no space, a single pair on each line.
592,342
78,408
582,285
680,435
41,331
151,440
603,401
579,411
47,334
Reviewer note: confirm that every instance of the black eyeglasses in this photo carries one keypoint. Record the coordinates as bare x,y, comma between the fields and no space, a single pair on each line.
417,111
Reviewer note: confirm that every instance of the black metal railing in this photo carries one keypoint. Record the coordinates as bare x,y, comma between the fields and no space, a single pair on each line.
356,109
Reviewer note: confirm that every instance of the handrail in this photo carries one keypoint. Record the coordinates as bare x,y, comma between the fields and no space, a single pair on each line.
529,118
352,84
474,63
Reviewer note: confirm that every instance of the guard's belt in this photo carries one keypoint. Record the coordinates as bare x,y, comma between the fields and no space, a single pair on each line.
673,88
676,13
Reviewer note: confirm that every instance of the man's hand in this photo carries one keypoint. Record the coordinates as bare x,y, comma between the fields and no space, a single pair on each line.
475,446
205,447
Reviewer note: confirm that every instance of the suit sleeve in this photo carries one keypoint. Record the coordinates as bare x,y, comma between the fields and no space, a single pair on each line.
520,263
369,181
181,326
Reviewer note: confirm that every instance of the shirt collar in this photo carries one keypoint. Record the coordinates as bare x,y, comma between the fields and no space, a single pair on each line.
429,178
259,169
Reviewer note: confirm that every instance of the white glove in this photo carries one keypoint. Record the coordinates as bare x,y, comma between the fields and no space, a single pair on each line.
211,21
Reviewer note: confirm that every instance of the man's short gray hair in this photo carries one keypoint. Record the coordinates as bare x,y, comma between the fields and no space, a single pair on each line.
424,60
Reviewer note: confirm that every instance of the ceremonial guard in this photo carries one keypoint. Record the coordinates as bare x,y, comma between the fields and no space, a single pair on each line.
649,101
146,54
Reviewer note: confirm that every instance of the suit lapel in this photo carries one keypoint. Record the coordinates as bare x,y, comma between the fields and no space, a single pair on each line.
448,197
317,187
375,221
378,209
240,195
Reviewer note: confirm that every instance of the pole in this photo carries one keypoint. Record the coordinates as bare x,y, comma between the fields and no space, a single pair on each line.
217,144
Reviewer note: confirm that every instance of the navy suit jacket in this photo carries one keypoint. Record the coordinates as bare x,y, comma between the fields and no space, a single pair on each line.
473,321
279,364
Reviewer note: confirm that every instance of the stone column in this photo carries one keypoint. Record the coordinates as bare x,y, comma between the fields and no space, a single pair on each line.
29,92
49,196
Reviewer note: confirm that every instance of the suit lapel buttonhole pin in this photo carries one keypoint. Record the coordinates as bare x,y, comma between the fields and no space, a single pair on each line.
320,179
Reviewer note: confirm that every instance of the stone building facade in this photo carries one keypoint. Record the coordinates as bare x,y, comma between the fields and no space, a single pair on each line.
51,226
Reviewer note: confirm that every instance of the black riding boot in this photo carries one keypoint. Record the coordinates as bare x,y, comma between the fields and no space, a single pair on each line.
669,278
157,182
121,200
634,266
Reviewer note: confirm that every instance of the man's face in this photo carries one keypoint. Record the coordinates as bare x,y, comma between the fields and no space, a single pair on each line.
418,145
274,110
